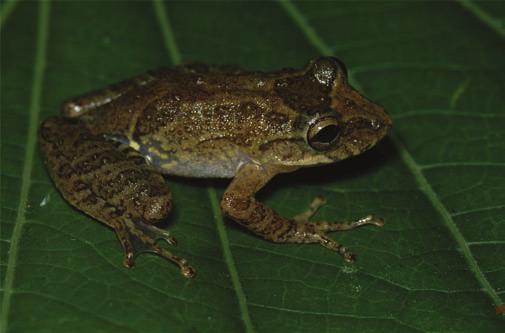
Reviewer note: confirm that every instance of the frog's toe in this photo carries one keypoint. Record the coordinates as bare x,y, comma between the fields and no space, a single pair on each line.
337,247
349,257
325,226
129,259
322,228
186,270
155,233
375,220
138,237
305,216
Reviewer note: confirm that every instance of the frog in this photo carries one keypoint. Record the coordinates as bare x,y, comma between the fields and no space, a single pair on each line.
108,151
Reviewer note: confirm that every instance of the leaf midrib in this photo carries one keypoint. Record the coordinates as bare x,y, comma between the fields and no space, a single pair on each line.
33,118
414,168
6,10
175,56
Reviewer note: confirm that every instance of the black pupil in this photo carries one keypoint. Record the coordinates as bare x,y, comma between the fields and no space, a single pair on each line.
327,134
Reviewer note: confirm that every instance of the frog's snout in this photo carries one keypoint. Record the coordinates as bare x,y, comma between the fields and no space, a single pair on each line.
361,113
381,121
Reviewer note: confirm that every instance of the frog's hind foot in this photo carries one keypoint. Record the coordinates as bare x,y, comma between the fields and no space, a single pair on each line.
138,237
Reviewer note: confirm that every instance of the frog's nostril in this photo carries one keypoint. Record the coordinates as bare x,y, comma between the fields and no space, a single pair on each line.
380,120
375,124
380,124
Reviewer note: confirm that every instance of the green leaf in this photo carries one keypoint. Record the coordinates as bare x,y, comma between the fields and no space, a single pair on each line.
437,265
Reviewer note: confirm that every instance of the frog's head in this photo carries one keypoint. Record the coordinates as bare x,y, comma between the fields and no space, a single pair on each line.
337,121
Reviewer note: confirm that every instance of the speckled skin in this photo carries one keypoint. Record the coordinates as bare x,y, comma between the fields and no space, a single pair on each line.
106,152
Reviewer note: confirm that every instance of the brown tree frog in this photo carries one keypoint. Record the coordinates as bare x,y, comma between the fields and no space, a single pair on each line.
107,151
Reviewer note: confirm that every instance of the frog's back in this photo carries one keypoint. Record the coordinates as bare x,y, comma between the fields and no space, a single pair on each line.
198,122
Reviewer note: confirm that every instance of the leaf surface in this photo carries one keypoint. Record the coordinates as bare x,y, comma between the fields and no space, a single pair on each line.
437,265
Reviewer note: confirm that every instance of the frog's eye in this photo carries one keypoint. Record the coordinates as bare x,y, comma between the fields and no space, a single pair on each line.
327,69
323,133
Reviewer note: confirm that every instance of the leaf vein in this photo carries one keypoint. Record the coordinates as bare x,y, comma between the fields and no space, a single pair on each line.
54,299
461,164
332,314
446,112
36,91
230,261
478,210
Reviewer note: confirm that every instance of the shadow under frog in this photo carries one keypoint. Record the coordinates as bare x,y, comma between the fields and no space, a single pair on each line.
107,152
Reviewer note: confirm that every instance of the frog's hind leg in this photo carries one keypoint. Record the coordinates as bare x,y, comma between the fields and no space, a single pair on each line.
79,105
113,185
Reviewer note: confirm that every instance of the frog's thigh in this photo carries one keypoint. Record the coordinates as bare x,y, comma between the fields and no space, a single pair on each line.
113,185
79,105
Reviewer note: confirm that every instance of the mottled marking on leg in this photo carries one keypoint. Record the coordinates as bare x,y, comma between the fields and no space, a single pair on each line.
284,233
257,217
263,226
279,227
239,207
101,156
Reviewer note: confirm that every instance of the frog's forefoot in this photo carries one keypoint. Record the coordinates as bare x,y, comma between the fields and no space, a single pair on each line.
321,228
240,204
312,232
138,237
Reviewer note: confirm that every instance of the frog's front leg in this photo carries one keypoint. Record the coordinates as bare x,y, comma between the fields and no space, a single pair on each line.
79,105
239,204
113,185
